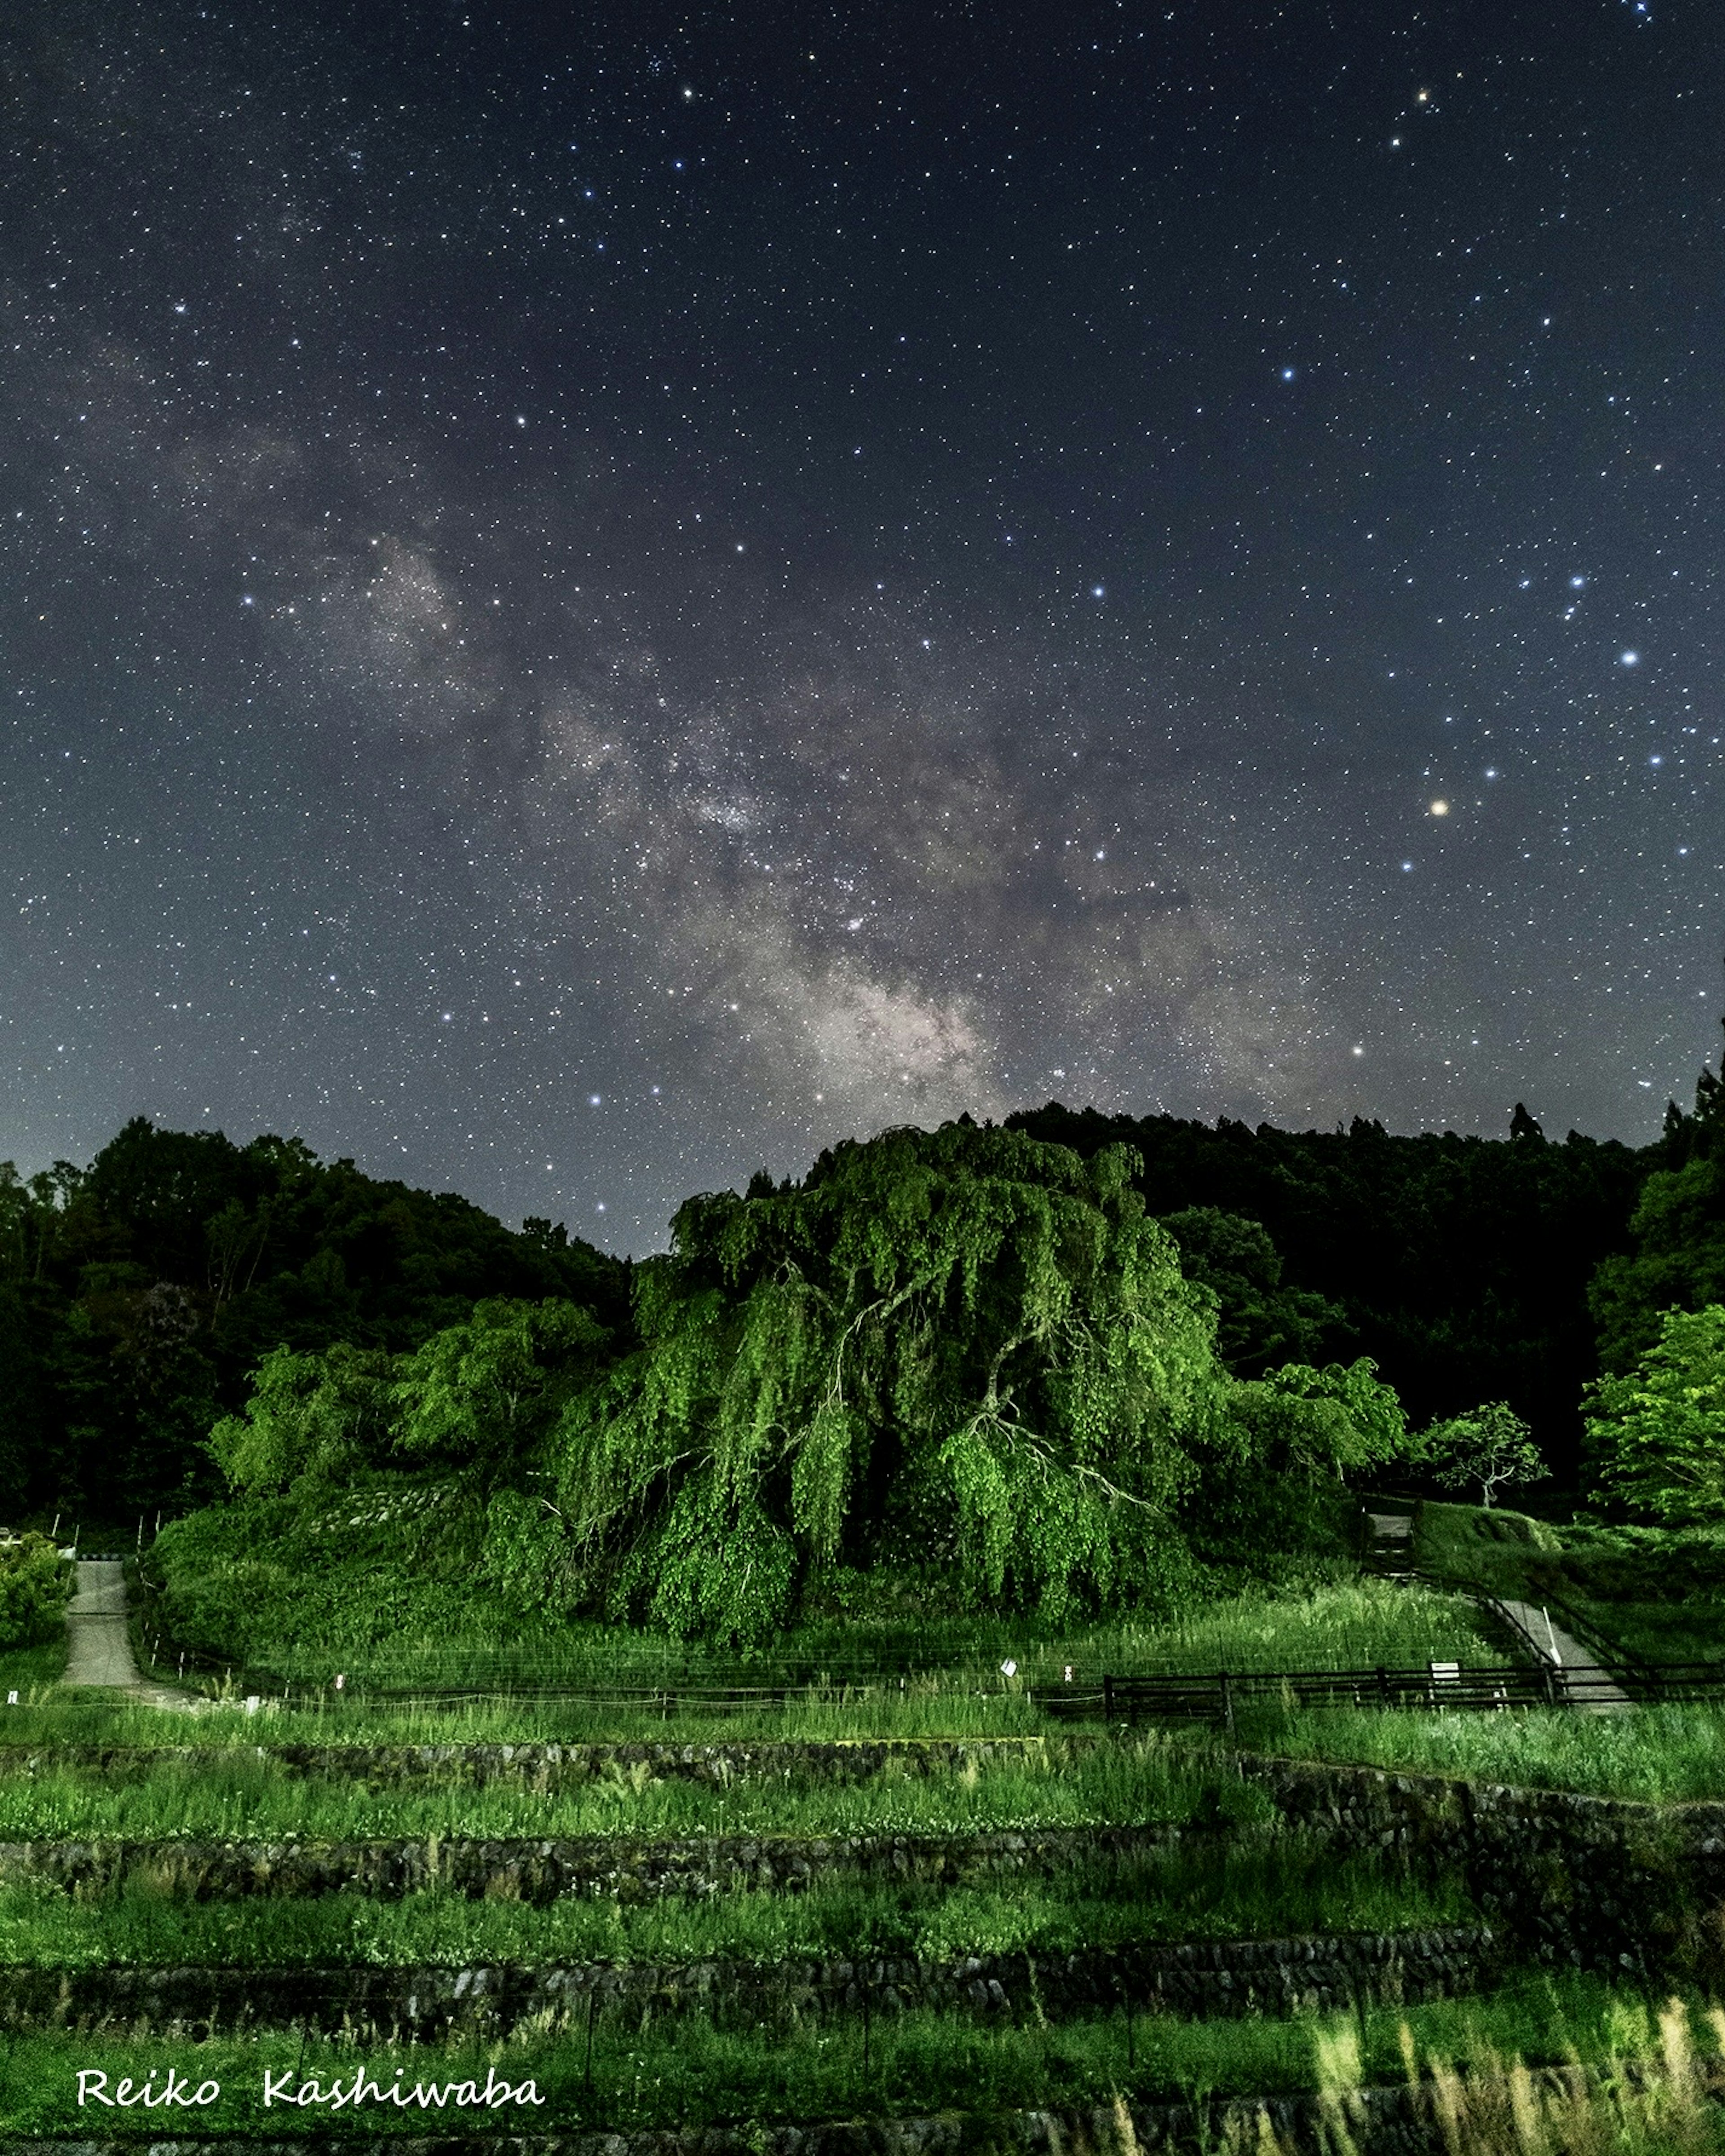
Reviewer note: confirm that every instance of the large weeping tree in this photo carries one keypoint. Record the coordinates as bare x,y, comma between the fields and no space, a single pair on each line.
967,1329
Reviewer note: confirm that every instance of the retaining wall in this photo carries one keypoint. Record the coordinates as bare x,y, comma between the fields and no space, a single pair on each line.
1599,1882
600,1866
551,1767
1225,1976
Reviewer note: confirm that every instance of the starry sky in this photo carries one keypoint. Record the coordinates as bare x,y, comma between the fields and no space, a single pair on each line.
597,596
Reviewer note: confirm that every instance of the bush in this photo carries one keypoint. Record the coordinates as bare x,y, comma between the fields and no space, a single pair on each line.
35,1581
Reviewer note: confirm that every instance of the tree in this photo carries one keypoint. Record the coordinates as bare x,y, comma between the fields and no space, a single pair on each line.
1678,1229
319,1415
966,1330
1260,1321
483,1395
478,1398
1658,1431
1322,1423
1490,1446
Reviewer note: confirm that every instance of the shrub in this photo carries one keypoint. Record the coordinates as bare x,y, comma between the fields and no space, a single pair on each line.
35,1581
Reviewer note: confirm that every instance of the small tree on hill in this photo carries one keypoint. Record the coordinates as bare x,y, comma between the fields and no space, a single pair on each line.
1490,1446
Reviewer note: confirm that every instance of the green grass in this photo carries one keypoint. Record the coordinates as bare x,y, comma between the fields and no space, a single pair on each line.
685,2072
1349,1624
1229,1892
251,1796
1657,1755
29,1671
1659,1595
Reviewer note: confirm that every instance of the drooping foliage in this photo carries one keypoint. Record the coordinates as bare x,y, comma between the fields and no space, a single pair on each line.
964,1346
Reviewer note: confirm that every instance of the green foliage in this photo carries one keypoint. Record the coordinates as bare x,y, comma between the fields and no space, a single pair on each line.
138,1295
964,1345
991,1316
1261,1321
1678,1231
323,1415
527,1556
1459,1265
1321,1422
483,1394
1679,1259
1489,1446
35,1581
479,1397
1659,1432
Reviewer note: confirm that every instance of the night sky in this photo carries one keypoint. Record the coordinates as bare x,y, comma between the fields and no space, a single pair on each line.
594,598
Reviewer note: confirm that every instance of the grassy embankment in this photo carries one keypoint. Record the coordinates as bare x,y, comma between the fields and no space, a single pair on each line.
1643,2091
1658,1596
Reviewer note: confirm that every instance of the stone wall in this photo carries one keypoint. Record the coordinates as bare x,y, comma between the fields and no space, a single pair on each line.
1597,1882
1226,1978
551,1766
598,1865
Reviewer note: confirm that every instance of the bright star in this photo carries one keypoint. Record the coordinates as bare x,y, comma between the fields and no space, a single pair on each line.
1630,659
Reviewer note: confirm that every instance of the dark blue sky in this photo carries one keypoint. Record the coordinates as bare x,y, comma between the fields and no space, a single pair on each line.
594,598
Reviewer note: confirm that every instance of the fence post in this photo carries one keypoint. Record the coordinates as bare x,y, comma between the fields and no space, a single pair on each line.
1227,1700
1107,1698
1384,1685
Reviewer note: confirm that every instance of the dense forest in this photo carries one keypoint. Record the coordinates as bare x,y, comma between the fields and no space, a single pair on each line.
1028,1342
138,1295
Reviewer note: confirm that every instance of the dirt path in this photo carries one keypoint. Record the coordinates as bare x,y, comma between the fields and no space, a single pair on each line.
95,1627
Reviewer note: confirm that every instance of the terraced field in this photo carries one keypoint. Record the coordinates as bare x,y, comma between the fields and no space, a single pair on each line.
262,1927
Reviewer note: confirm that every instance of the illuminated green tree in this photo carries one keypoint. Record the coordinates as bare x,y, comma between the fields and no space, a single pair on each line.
968,1322
1658,1433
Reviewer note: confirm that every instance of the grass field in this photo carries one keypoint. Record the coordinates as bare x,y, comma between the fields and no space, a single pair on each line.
685,2073
1657,1755
250,1796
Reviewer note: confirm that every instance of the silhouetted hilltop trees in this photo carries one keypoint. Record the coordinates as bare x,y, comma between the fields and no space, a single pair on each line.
137,1295
1460,1265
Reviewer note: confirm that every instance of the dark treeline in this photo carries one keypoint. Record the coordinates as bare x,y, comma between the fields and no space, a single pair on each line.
1462,1265
138,1295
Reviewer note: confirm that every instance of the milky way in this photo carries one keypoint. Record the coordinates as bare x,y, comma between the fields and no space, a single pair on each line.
596,599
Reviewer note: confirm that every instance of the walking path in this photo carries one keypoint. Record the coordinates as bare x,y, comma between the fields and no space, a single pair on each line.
96,1626
1587,1683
